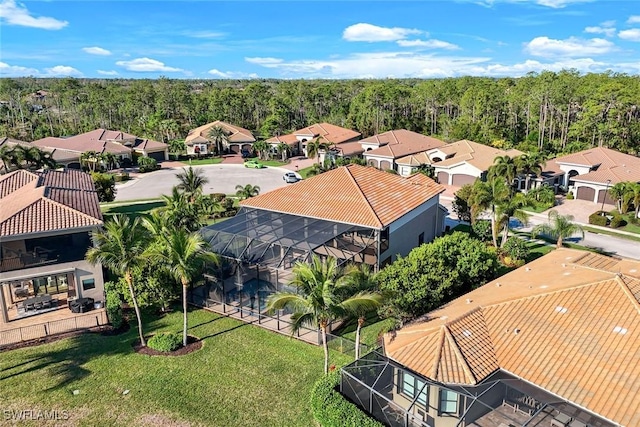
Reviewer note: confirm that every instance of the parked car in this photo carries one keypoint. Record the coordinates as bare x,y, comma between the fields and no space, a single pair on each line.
246,154
291,177
253,164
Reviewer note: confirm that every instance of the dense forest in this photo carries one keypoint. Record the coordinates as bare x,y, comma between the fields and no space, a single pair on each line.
549,112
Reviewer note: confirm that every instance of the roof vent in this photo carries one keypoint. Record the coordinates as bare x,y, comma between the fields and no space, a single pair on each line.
527,269
560,309
444,317
497,284
633,270
544,287
516,331
566,274
467,333
620,330
564,265
469,301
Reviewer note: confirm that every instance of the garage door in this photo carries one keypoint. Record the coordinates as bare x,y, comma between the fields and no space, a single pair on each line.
459,180
443,178
603,194
159,156
585,193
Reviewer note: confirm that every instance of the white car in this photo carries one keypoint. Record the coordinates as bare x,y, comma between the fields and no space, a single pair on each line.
291,177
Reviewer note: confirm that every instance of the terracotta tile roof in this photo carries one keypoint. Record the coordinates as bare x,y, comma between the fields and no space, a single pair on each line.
414,160
59,155
101,141
235,133
396,144
331,133
611,165
568,322
351,194
478,155
289,139
47,201
349,148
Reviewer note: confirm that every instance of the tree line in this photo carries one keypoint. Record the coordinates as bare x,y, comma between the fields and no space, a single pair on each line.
546,112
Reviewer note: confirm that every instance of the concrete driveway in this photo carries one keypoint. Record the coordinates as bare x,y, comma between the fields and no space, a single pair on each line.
223,178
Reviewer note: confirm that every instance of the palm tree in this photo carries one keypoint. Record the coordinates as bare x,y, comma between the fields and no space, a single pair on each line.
185,255
361,279
283,150
119,248
488,195
318,302
90,159
542,194
33,158
247,191
529,164
192,182
219,138
181,212
619,193
314,148
559,227
504,167
262,148
8,157
633,192
110,160
511,208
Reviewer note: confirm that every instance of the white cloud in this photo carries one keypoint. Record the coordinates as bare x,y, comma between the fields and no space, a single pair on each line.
607,28
204,34
571,47
146,65
231,74
95,50
584,65
13,13
263,61
631,35
634,19
555,4
108,73
62,70
372,33
16,71
428,44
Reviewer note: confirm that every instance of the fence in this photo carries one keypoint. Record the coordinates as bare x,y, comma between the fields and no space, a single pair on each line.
54,327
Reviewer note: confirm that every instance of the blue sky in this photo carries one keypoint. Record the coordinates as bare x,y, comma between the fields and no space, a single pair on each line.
316,39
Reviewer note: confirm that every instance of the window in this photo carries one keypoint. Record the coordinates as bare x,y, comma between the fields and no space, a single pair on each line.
412,387
421,238
448,402
88,284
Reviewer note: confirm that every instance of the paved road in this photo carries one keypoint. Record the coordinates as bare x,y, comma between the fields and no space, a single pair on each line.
222,179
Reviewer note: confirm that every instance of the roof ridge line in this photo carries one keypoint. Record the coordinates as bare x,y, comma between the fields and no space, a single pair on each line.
353,179
436,362
465,365
625,288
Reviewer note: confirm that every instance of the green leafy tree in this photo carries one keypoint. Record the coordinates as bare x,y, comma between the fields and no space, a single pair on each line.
504,167
511,208
262,148
91,160
633,194
8,157
542,195
529,165
559,227
315,147
460,203
177,146
516,248
487,196
192,182
247,191
320,298
219,138
284,150
119,247
619,192
105,185
180,212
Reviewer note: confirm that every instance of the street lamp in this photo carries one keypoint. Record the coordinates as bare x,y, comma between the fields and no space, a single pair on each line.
605,196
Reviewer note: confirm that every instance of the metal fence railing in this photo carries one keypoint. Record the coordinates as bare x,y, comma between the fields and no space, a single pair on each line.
54,327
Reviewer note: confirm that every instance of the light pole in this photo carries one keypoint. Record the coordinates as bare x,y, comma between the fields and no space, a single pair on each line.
605,196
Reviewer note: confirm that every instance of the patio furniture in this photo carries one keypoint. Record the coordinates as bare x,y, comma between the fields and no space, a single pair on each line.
561,420
38,302
81,305
21,292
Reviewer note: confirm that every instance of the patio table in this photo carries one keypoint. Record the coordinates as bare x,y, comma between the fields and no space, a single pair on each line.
37,302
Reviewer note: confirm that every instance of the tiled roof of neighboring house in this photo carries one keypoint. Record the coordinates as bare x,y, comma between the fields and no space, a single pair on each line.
289,139
348,148
478,155
102,141
59,155
414,159
568,322
330,133
34,202
611,165
351,194
401,143
234,133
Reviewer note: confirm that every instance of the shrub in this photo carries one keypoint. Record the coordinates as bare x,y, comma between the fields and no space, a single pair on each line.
218,197
570,195
516,249
482,230
331,409
105,186
114,305
121,177
598,218
165,342
617,221
147,164
633,219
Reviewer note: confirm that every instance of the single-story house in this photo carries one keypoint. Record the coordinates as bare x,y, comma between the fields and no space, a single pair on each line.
120,144
46,222
199,142
382,150
554,342
290,139
62,157
338,138
590,173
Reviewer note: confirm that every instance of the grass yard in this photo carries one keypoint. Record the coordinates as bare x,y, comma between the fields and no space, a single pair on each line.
373,328
132,209
200,162
304,173
242,376
273,163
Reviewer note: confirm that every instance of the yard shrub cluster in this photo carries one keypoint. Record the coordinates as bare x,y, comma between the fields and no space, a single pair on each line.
105,186
147,164
598,218
165,342
516,250
331,409
482,230
114,305
617,221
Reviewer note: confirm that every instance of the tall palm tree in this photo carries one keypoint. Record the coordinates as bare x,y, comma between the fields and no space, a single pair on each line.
633,191
90,159
8,157
487,196
529,164
219,138
559,227
283,150
185,256
192,182
619,193
321,285
181,212
314,148
247,191
119,247
504,167
110,160
361,279
262,148
511,208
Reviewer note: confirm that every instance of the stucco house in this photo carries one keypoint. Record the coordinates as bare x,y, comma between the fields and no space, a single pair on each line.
384,149
341,140
199,142
45,223
554,342
62,157
590,173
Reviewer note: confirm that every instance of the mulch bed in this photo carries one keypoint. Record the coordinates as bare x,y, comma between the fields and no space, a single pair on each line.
193,344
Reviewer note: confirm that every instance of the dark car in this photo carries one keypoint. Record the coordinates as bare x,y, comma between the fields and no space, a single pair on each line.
246,154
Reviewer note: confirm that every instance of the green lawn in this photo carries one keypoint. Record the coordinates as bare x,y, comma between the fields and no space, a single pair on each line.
200,162
273,163
304,173
242,376
372,329
132,209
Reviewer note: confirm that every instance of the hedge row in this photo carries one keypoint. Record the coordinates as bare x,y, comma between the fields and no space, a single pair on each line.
331,409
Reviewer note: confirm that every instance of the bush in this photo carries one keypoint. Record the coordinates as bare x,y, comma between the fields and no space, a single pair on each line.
165,342
570,195
147,164
105,185
121,177
516,249
114,305
482,230
218,197
331,409
617,221
598,218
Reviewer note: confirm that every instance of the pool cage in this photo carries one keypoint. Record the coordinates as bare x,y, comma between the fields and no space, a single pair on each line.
375,384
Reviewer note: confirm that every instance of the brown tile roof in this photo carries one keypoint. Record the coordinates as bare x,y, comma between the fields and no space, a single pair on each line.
47,201
349,148
351,194
611,165
235,133
330,133
289,139
59,155
478,155
400,143
568,322
101,141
